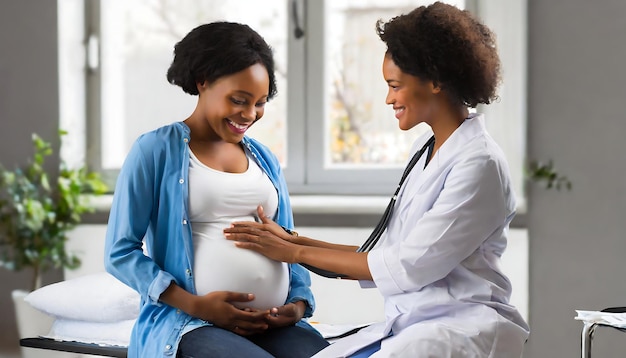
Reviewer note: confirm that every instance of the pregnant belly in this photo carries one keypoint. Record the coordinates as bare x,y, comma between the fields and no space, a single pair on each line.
220,266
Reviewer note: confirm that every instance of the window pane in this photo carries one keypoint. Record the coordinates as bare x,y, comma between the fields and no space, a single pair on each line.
361,130
137,41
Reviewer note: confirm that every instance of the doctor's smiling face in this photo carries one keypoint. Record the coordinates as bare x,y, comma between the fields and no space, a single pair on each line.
413,99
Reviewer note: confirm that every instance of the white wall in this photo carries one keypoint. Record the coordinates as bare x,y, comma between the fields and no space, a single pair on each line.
577,91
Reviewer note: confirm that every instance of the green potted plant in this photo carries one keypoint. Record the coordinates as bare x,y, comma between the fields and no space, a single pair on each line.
545,173
37,210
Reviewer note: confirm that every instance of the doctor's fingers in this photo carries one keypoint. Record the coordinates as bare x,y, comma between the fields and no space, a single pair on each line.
254,227
251,225
242,237
270,230
249,230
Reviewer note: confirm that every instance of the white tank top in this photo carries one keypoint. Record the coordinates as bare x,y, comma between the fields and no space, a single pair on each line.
216,199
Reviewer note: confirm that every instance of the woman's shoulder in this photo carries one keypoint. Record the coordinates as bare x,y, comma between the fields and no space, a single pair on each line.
258,148
165,139
164,134
255,143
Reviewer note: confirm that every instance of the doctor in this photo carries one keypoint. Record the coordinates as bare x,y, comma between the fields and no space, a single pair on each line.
437,263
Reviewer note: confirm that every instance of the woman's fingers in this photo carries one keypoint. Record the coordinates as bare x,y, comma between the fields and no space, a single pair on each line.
219,308
250,321
250,331
238,296
245,328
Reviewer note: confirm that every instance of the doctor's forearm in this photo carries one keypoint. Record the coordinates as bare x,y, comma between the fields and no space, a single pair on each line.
351,263
307,241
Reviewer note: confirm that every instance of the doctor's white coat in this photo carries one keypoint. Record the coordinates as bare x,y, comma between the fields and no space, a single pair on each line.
438,264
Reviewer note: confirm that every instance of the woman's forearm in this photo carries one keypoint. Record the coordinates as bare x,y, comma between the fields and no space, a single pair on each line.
178,297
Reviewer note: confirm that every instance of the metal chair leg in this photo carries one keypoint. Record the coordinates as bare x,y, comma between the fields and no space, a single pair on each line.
586,338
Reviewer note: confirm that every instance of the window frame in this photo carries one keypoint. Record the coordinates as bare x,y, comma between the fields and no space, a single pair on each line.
305,172
308,175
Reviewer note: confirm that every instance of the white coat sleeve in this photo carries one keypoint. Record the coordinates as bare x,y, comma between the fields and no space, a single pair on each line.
471,205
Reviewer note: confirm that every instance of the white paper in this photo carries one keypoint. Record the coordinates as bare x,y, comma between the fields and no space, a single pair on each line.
605,318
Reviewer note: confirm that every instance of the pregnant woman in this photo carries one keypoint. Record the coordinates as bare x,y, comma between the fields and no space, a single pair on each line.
180,186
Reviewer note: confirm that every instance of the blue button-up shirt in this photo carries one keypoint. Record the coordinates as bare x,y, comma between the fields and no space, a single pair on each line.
151,205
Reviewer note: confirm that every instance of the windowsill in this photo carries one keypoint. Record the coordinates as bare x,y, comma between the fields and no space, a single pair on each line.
338,204
305,204
318,210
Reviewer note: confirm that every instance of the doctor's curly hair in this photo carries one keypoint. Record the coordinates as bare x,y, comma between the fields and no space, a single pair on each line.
448,46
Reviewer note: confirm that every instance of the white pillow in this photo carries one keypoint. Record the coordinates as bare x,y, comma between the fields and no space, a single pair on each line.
110,333
97,297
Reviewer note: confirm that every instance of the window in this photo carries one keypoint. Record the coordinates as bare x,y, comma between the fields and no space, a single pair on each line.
351,143
328,125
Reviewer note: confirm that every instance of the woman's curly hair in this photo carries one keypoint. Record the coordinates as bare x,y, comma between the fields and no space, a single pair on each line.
219,49
448,46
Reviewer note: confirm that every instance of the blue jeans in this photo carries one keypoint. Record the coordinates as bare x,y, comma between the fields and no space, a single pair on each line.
287,342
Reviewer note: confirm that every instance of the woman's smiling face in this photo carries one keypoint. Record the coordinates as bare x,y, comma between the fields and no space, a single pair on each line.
412,98
233,103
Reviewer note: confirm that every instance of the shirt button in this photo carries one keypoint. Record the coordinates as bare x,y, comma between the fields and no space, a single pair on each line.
177,312
184,222
185,140
188,271
168,347
181,180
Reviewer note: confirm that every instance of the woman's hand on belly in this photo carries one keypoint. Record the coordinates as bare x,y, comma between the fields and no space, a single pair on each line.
217,308
286,315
